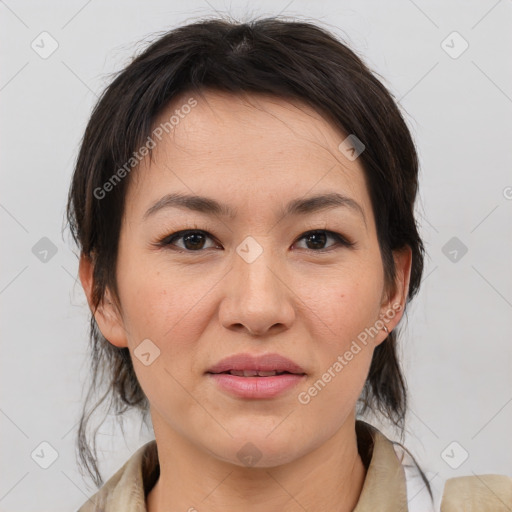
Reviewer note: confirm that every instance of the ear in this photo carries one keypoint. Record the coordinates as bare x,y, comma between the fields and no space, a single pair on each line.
393,304
107,316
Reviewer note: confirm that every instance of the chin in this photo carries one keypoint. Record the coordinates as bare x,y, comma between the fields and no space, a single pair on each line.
257,449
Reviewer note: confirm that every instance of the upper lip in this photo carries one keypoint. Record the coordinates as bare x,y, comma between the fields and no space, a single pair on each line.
265,362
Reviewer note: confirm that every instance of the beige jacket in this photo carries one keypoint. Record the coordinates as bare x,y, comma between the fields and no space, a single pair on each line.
384,489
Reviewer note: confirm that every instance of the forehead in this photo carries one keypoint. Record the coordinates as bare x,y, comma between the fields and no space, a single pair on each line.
242,150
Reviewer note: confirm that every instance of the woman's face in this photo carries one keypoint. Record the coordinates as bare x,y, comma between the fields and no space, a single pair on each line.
252,283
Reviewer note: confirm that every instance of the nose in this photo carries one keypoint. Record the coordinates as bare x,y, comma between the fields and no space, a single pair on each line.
258,299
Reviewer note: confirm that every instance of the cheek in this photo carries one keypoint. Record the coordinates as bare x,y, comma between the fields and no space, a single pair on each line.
172,318
168,309
342,304
341,325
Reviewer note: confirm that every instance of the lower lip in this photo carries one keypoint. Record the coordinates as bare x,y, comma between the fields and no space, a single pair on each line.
256,387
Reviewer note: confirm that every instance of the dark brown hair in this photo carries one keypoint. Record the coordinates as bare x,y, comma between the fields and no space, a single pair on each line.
294,60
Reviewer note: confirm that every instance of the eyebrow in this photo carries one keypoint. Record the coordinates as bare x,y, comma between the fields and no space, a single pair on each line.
300,206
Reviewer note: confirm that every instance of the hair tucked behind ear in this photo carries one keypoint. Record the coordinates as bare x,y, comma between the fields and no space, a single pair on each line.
287,59
111,368
385,389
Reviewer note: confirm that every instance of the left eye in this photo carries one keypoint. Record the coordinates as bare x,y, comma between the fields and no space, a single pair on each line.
194,240
319,237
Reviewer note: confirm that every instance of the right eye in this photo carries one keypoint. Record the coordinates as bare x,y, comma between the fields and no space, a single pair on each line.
193,240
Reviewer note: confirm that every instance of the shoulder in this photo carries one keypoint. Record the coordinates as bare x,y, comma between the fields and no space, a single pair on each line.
478,493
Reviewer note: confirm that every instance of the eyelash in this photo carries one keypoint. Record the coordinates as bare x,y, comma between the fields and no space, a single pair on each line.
167,240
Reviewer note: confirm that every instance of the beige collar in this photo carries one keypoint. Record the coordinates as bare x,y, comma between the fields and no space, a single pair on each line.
384,487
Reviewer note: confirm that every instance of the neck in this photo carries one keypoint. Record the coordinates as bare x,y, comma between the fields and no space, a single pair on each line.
328,479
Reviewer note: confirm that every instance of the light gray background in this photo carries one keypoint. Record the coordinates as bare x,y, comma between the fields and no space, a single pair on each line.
457,346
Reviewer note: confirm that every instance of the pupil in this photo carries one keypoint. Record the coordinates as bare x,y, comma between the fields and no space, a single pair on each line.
318,238
192,238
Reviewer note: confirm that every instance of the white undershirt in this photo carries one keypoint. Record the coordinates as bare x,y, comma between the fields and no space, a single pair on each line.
418,497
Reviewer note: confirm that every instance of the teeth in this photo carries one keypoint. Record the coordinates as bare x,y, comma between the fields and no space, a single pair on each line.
242,373
267,374
254,373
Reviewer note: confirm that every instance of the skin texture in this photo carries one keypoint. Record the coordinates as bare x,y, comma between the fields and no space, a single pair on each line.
254,154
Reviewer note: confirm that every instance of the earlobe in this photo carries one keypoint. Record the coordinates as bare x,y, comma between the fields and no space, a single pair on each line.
403,265
393,306
106,315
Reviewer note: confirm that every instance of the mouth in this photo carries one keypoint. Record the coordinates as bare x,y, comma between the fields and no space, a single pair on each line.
260,377
255,373
263,365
